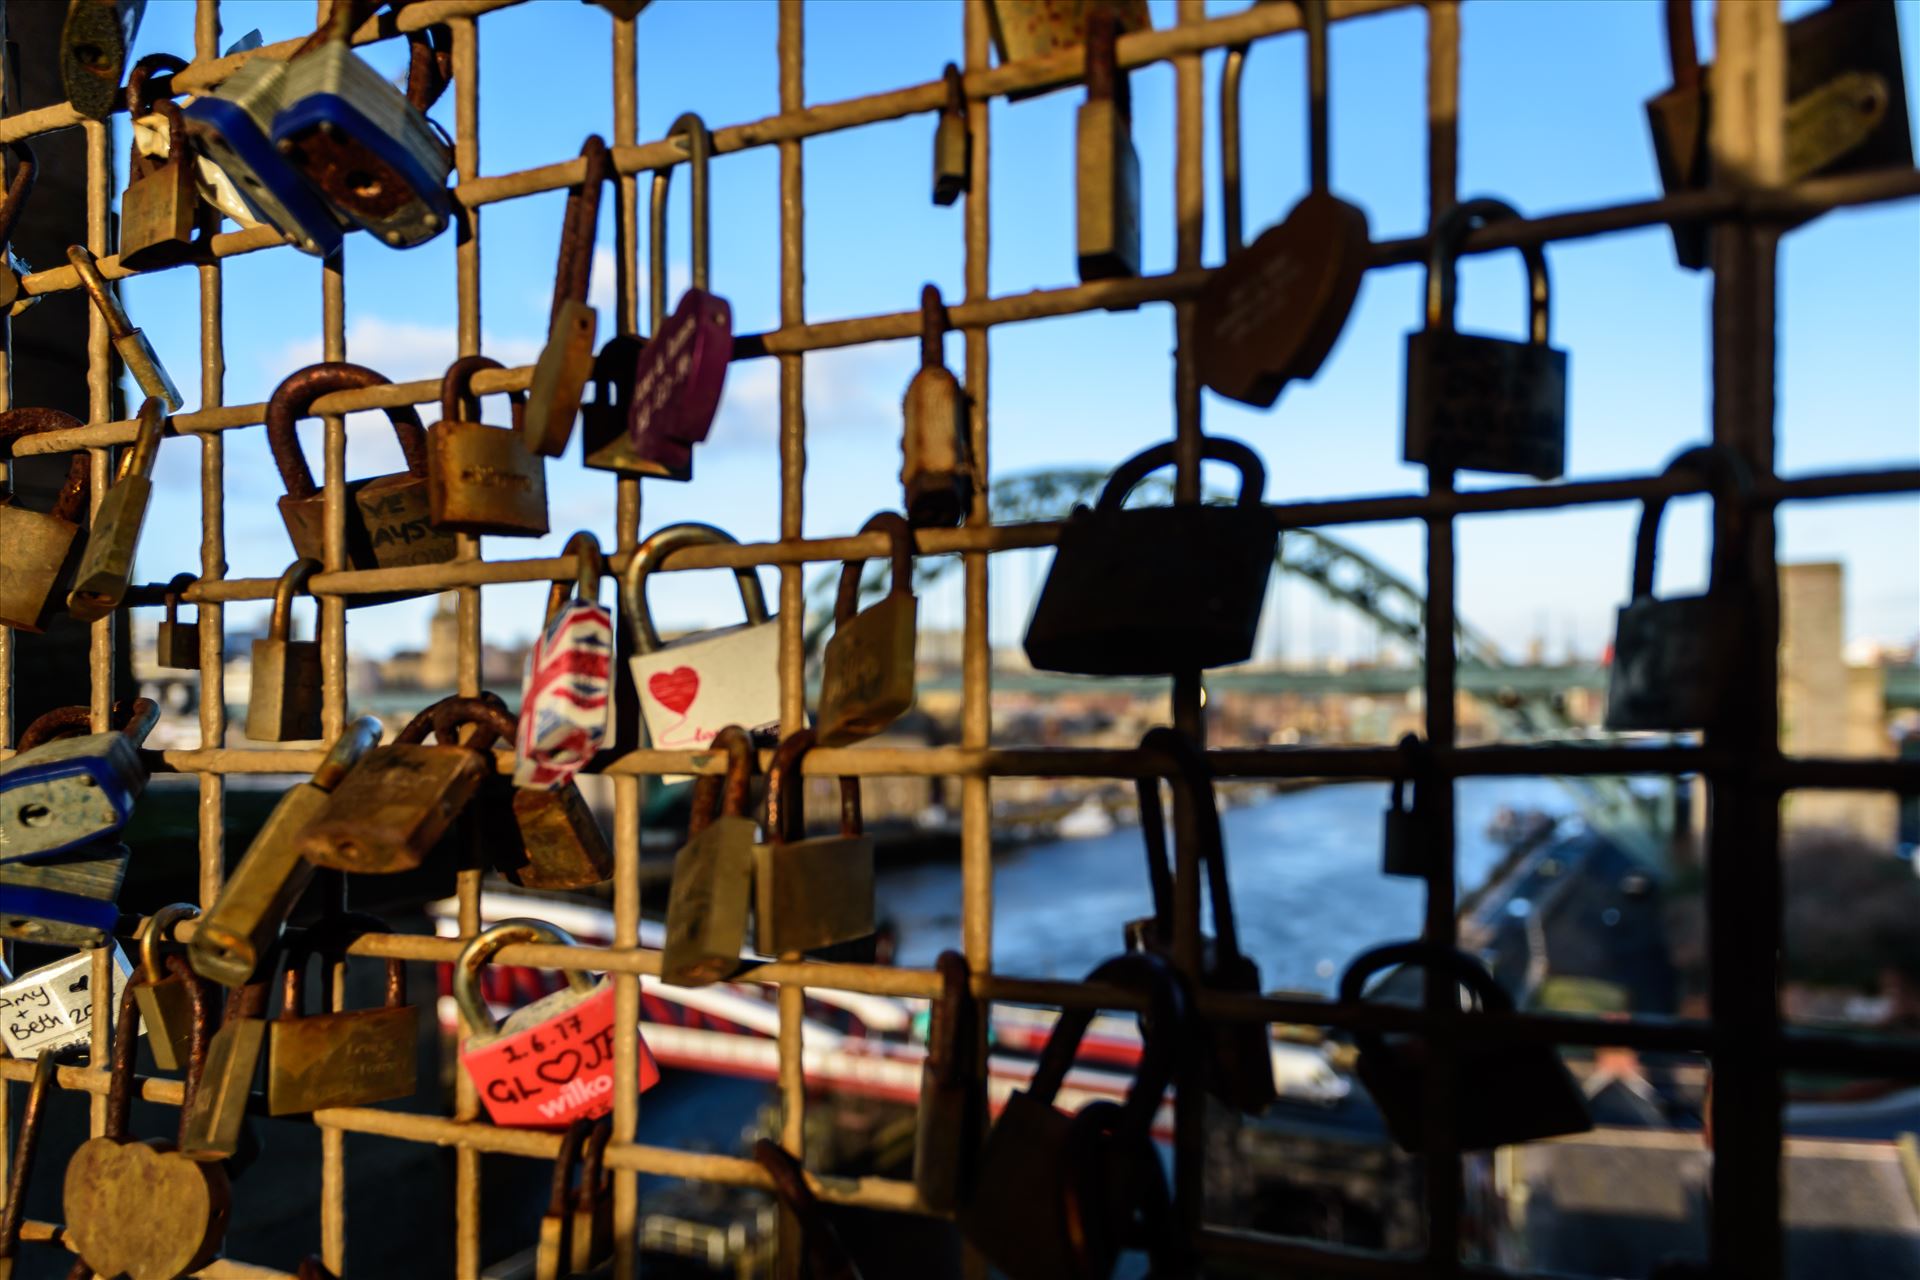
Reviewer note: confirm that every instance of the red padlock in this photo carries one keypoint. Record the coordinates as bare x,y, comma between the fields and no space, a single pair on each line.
550,1063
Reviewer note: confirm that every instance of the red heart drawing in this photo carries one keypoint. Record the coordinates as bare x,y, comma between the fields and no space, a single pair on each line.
676,689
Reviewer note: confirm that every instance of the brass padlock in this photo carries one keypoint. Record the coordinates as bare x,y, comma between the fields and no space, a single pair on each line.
866,680
952,142
161,202
809,893
553,1255
937,466
129,343
713,872
1155,590
391,811
176,645
1239,1053
561,373
66,787
215,1125
389,518
482,479
1273,310
953,1100
1478,403
1503,1093
1674,661
1013,1213
344,1058
145,1210
238,933
166,999
820,1243
94,41
1106,167
284,699
101,580
39,552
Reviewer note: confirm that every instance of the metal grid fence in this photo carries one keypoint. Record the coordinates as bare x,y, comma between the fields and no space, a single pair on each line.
1745,773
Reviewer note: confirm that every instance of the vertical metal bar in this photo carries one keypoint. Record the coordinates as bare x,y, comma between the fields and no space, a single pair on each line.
8,93
99,409
1743,816
213,533
1443,1174
626,790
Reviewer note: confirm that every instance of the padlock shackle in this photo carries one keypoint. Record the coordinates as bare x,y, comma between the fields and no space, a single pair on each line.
139,460
120,1074
1414,751
292,582
119,325
1153,832
1231,214
1729,480
573,272
1449,233
429,65
826,1254
900,548
956,86
358,738
1313,15
71,501
483,946
1683,53
560,1191
593,1157
46,1071
662,543
456,394
1193,784
145,84
589,567
176,587
724,796
159,930
933,327
491,720
137,720
699,146
1467,971
1162,1027
787,797
291,400
19,188
329,940
948,1020
1253,473
1105,80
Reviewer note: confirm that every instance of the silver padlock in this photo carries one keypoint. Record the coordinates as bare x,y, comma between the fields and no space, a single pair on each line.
52,1007
63,791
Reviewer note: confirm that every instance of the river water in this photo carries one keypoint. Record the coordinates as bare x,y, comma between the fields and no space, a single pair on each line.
1305,867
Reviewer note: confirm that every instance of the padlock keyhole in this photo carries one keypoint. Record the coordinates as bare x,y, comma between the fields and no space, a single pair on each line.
90,55
35,815
364,185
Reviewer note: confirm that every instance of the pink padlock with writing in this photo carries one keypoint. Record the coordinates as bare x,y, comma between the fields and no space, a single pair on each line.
550,1063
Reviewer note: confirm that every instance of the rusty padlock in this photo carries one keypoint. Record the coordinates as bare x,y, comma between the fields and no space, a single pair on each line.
482,479
1106,166
550,840
339,1058
813,893
867,672
39,552
713,872
953,1100
936,454
161,203
94,41
561,373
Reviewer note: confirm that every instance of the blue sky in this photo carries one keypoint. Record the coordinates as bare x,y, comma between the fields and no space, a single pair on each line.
1551,120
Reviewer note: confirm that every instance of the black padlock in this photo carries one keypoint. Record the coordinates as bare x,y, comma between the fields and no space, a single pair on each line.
1503,1094
1674,660
1404,836
1239,1069
1017,1213
1154,590
1478,403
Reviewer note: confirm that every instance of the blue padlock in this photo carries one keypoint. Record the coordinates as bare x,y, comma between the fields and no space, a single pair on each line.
62,792
229,126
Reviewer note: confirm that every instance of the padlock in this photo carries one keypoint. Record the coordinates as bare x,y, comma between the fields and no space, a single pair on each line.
344,1058
161,202
215,1125
561,373
482,479
101,580
1156,590
12,265
1106,193
64,899
826,1254
1478,403
1239,1053
65,787
176,644
1014,1213
239,932
1504,1093
39,552
953,1100
1024,29
1111,1164
1273,311
366,146
553,1256
130,344
1846,104
1404,829
809,893
144,1210
550,1063
605,444
284,695
1674,661
593,1200
95,39
230,125
46,1072
937,459
50,1008
167,998
389,518
680,371
566,696
952,142
689,688
713,873
391,810
866,675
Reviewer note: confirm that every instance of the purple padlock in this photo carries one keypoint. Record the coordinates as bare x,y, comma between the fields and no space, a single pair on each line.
680,370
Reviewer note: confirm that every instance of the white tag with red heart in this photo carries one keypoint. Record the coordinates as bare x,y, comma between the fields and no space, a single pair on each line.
694,687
